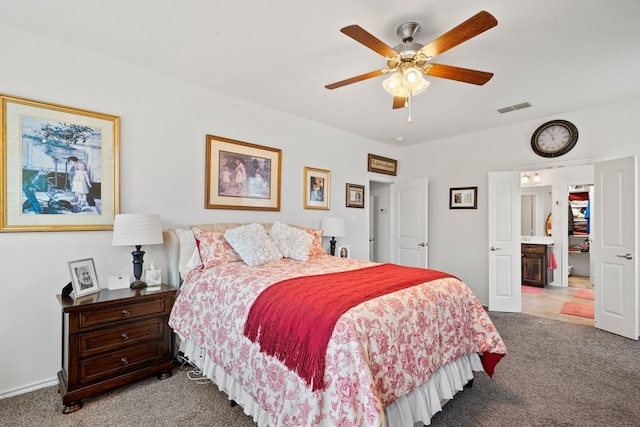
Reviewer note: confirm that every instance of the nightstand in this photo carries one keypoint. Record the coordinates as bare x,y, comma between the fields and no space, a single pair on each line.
113,338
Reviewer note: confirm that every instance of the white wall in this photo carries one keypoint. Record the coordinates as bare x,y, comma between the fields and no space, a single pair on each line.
163,126
458,239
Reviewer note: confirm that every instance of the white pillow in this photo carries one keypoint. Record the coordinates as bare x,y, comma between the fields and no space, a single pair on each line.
292,242
189,256
253,244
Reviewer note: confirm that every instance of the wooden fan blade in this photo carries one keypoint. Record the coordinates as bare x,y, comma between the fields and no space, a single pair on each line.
470,28
356,79
464,75
362,36
399,102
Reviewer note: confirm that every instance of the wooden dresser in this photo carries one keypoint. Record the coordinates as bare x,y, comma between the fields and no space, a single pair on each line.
113,338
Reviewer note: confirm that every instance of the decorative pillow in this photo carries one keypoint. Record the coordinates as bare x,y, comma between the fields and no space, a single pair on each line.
253,244
189,257
210,246
316,245
292,242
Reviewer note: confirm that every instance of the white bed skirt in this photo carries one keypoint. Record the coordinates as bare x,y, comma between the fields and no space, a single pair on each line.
415,408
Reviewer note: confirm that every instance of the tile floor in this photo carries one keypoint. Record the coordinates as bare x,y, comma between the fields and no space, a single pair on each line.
548,302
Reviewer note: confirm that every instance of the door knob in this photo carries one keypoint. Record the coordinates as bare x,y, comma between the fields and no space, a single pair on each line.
493,248
423,244
627,256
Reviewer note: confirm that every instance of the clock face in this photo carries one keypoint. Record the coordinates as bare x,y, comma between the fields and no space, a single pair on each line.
554,138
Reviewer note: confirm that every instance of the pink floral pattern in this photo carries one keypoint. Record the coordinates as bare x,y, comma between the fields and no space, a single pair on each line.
210,246
379,350
316,246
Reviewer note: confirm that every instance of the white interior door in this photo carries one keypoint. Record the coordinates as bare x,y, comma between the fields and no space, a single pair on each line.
412,246
504,242
614,248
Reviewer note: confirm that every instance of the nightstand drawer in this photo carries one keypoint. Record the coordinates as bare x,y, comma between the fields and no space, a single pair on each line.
128,335
103,316
119,362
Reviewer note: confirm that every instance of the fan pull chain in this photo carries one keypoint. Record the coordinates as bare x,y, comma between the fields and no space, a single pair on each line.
409,105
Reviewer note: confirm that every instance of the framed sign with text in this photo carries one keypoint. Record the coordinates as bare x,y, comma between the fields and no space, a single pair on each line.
383,165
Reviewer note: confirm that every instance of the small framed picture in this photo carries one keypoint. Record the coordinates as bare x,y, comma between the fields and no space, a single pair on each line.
355,196
343,252
83,277
463,198
317,188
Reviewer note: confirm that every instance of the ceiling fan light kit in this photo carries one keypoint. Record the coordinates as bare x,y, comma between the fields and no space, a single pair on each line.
409,61
406,83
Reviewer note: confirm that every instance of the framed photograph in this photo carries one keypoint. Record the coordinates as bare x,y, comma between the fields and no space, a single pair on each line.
343,252
383,165
355,196
317,188
240,175
59,167
463,198
83,277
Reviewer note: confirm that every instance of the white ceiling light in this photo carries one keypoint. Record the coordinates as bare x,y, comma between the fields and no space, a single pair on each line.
405,82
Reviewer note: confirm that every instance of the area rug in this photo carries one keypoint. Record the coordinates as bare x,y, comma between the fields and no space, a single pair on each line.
576,309
584,294
531,289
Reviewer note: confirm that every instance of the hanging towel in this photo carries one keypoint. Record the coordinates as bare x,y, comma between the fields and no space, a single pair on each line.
552,261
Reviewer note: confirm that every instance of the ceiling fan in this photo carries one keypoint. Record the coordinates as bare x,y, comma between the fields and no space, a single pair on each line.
410,61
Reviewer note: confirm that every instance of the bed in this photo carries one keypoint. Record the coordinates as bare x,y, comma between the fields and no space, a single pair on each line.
391,359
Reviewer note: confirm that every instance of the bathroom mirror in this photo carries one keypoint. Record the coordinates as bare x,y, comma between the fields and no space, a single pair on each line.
535,211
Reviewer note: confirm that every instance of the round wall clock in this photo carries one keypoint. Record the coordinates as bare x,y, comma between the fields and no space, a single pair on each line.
554,138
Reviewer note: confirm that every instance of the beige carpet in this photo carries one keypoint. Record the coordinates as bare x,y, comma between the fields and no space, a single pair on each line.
555,374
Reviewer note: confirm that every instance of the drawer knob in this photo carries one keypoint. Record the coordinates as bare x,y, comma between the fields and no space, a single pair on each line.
124,361
125,312
124,336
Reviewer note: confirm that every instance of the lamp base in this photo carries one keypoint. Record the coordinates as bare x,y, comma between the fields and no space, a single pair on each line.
138,284
332,246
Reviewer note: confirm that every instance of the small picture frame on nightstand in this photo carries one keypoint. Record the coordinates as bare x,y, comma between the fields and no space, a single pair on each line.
83,277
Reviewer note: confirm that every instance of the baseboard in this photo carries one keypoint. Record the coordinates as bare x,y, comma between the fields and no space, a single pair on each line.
28,388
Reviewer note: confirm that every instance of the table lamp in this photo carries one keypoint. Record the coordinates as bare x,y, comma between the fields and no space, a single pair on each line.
137,230
334,227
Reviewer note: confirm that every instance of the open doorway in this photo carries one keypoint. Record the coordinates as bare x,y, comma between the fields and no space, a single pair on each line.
556,216
379,221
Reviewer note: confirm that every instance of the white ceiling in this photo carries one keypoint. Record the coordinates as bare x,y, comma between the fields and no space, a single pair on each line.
560,55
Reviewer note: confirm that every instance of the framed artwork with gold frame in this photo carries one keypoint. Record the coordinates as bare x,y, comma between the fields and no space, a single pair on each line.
355,196
241,175
59,167
317,188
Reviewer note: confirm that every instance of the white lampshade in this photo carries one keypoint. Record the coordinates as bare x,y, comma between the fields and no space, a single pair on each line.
334,227
137,229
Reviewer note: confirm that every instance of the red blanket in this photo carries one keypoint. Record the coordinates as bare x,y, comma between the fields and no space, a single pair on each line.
293,320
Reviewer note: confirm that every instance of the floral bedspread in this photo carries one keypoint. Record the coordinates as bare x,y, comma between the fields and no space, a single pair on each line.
379,350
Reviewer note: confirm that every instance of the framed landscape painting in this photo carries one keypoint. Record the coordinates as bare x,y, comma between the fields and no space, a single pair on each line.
59,167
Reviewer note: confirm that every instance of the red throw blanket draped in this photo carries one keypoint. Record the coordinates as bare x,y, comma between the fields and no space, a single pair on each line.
293,320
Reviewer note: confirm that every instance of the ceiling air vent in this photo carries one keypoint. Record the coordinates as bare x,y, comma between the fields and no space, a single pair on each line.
514,107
